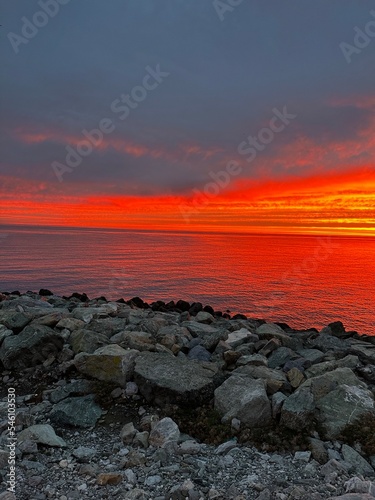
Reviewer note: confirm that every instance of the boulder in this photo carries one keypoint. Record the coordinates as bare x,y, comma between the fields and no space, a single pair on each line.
164,378
280,356
199,353
252,360
70,323
110,363
318,450
358,463
244,398
211,341
204,317
41,433
239,337
30,347
198,329
322,385
87,340
364,350
342,406
275,379
349,361
14,320
295,377
329,343
107,326
75,388
277,401
76,412
142,341
4,332
313,355
298,410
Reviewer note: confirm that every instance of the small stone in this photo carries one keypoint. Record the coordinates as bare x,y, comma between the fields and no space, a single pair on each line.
83,453
130,476
142,438
235,424
190,447
131,389
116,393
28,447
303,456
164,431
223,448
109,478
295,377
153,480
127,433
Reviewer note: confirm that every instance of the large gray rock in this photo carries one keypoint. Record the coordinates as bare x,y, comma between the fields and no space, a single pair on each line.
313,355
107,326
271,330
359,464
15,320
30,347
324,384
343,406
280,356
199,353
165,379
329,343
364,350
199,329
41,433
244,398
76,412
239,337
50,319
87,340
110,363
349,361
298,410
86,314
211,340
80,387
142,341
275,379
71,324
4,332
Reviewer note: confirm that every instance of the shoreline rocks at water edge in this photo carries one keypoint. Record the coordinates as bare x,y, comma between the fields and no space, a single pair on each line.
174,401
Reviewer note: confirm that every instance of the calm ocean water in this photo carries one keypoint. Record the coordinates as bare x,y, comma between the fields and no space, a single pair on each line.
301,280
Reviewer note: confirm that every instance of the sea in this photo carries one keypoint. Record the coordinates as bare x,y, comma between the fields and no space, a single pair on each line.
304,281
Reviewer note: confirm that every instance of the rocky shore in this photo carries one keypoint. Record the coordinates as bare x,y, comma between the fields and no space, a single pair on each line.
177,401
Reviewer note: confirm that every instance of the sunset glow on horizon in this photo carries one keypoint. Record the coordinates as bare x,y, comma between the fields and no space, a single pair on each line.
238,129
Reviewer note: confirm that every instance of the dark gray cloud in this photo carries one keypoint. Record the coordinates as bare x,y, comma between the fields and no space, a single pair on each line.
225,79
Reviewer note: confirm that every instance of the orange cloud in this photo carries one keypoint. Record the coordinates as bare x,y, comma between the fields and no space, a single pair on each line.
338,203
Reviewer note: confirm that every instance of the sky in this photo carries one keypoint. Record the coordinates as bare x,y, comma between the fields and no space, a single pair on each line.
189,114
